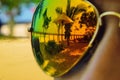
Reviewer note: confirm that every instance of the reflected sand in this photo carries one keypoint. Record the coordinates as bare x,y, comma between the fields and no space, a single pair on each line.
55,58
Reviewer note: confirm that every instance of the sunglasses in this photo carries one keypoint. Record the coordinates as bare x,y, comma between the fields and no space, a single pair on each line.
63,32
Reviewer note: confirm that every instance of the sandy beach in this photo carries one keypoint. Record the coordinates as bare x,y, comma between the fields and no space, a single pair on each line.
17,61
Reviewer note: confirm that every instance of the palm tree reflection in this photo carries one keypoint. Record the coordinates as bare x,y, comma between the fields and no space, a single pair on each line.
46,22
62,54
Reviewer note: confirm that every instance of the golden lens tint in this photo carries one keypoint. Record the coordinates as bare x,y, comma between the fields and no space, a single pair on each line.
62,31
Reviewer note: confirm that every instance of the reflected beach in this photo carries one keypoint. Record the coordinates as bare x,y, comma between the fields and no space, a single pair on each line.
61,34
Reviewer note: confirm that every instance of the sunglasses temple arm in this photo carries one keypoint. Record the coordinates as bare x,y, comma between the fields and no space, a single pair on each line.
109,13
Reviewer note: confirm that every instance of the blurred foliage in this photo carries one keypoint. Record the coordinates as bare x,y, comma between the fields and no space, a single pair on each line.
13,3
10,3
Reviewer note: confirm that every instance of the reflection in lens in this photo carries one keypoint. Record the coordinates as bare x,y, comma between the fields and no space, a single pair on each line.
62,33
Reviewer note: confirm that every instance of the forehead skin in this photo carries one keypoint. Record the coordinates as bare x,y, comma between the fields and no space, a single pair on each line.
106,5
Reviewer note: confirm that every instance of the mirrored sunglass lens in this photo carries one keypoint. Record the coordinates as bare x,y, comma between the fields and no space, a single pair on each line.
62,31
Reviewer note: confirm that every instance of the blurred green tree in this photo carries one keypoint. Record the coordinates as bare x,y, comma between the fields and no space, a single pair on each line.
14,5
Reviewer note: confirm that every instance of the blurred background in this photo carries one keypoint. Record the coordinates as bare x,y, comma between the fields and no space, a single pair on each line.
14,14
16,58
